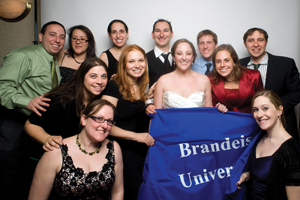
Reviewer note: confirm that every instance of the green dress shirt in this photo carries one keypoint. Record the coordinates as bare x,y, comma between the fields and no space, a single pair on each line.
25,73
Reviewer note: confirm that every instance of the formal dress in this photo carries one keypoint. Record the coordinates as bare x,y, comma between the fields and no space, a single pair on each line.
283,78
73,183
112,64
174,100
249,84
271,174
130,116
65,72
259,176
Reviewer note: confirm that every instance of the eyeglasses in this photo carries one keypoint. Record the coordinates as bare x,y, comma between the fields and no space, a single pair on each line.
81,40
101,120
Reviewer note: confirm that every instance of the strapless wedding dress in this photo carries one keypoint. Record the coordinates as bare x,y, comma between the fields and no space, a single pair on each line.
174,100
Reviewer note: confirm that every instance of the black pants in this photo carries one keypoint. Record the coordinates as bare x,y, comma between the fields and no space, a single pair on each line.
12,153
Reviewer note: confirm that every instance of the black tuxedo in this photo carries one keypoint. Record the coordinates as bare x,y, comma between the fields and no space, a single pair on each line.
156,68
283,78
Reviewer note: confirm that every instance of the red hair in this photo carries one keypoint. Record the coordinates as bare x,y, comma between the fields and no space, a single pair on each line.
122,79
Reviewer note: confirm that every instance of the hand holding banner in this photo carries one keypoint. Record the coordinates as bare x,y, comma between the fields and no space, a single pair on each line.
199,153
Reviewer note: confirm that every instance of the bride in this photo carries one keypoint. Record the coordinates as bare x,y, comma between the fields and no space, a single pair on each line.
183,88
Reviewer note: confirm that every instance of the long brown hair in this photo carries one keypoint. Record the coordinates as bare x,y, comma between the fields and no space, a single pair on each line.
237,71
122,79
75,87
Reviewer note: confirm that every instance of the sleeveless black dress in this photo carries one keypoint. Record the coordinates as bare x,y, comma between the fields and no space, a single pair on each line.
73,183
112,64
130,116
66,72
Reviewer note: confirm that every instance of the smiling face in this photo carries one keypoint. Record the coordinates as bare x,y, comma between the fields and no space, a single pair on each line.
98,131
256,46
135,64
162,35
54,39
95,82
118,34
207,46
224,64
265,113
78,46
184,56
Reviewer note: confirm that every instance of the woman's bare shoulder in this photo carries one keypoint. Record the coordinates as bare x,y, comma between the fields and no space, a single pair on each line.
166,77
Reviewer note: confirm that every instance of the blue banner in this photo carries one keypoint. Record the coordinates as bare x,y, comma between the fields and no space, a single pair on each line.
199,153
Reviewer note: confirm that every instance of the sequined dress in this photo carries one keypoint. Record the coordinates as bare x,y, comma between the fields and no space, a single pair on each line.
73,183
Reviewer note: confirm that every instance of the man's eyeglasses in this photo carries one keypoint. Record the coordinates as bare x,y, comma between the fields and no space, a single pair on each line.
101,120
81,40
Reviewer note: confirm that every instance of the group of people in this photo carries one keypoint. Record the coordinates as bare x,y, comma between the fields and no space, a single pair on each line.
69,101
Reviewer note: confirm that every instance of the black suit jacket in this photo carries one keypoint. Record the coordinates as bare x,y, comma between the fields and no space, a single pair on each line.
283,78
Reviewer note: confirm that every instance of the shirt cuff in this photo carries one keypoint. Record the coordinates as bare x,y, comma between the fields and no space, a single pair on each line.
22,102
149,101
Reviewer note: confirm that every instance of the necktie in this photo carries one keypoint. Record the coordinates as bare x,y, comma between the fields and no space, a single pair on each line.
53,73
166,57
207,69
256,66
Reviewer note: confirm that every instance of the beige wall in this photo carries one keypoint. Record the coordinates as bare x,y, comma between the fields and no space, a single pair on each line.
17,34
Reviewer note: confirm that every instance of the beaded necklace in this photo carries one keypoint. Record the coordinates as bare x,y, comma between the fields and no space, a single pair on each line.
83,150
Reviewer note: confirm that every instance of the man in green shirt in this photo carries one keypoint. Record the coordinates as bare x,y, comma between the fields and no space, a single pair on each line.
26,74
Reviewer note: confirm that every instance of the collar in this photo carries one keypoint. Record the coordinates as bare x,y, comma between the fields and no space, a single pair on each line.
263,61
158,52
201,62
48,56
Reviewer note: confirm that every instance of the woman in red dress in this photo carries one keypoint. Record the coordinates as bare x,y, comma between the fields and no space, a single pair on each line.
233,86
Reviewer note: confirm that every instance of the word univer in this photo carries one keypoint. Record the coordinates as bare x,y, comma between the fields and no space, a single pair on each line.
206,176
186,149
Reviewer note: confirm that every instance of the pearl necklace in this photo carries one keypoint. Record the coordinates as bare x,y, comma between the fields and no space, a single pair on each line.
83,150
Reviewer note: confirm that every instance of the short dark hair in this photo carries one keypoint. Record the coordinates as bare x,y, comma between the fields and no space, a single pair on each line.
207,32
43,30
91,50
115,21
162,20
252,30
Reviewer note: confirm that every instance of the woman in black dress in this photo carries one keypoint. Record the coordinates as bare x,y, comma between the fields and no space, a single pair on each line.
274,165
87,165
126,91
61,118
81,47
118,34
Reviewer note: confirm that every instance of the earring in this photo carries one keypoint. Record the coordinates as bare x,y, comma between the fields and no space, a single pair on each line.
279,116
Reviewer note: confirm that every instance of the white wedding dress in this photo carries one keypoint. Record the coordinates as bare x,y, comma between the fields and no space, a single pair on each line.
174,100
